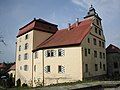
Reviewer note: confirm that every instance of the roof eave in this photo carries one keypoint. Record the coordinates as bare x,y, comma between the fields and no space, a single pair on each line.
68,45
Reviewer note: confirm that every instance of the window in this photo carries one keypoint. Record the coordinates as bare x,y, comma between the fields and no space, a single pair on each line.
19,57
34,68
85,52
36,54
47,69
20,40
86,67
61,69
26,36
94,41
50,53
20,67
95,29
88,51
103,44
97,21
26,46
115,65
25,67
25,56
100,32
95,54
20,48
100,54
100,65
104,67
104,55
61,52
88,40
96,67
100,43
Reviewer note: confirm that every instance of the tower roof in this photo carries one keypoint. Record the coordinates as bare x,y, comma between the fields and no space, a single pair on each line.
92,12
38,24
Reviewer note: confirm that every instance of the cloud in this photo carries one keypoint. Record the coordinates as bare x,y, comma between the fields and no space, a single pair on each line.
82,3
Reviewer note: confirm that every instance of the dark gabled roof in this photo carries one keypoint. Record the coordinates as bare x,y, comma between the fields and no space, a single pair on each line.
13,67
112,49
67,37
37,24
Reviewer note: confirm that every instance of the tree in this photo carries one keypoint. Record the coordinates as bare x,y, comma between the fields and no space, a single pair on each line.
1,40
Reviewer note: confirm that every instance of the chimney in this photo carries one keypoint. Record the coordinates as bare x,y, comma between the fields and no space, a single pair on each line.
69,26
77,21
34,18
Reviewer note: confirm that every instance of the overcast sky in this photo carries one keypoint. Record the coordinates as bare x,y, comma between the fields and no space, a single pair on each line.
16,13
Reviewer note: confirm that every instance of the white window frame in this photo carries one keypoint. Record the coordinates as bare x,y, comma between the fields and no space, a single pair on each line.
36,55
47,69
61,52
61,69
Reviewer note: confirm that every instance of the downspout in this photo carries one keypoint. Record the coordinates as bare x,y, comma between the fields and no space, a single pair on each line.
15,63
43,65
32,68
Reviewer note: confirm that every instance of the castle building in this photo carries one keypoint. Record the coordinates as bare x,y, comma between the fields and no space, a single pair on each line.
46,55
113,60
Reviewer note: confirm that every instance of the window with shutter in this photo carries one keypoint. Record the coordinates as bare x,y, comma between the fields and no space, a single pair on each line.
61,69
61,52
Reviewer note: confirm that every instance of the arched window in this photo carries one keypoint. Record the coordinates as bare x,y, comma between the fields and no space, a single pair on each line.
19,57
36,54
25,56
26,46
20,48
25,67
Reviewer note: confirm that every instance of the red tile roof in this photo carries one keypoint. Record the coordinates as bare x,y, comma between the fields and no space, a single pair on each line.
112,49
68,37
2,65
38,24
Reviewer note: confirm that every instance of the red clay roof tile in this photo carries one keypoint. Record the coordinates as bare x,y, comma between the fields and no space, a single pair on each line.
68,37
